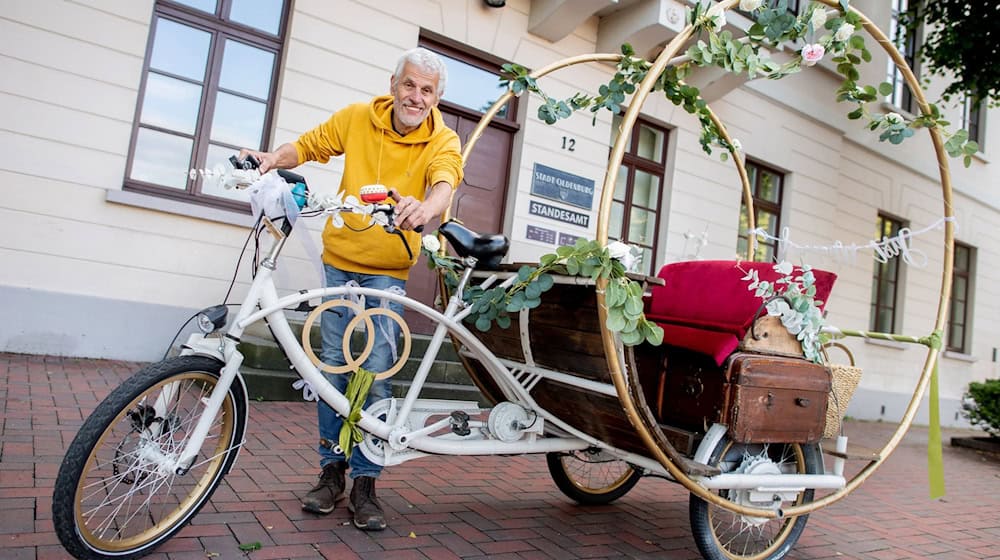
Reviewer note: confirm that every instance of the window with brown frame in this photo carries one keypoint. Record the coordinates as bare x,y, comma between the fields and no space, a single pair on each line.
972,120
208,89
767,186
635,210
473,79
885,280
908,43
960,318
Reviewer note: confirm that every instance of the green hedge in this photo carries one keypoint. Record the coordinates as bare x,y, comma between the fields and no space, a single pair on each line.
982,405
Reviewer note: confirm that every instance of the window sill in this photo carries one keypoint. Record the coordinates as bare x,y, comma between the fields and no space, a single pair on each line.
886,343
962,357
148,202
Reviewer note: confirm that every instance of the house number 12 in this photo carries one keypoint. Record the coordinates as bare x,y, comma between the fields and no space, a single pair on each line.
569,144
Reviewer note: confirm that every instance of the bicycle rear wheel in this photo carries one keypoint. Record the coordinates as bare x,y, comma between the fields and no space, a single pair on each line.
723,535
591,477
117,495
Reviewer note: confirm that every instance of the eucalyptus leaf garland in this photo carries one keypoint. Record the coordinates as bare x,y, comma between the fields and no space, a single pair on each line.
588,259
815,33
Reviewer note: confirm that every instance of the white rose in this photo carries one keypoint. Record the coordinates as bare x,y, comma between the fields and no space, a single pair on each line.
893,118
844,32
618,250
717,17
750,5
783,268
431,243
629,261
818,18
737,147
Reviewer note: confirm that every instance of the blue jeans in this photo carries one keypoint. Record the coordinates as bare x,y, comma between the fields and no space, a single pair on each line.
333,323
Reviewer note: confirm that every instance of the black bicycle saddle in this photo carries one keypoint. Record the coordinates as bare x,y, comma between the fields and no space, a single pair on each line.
488,249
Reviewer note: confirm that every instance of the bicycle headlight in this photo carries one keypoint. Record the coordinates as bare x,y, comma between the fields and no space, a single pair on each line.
212,318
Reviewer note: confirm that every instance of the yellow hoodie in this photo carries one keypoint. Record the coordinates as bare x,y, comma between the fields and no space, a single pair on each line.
375,153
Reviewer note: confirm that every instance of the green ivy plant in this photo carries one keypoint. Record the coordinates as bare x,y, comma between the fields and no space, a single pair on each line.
817,32
792,298
623,296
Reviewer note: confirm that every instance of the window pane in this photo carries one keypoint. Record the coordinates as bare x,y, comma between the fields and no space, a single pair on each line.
640,227
768,222
238,121
621,183
246,69
219,155
647,189
957,336
180,50
259,14
957,313
650,143
961,258
645,265
163,159
889,294
958,288
171,103
615,223
767,187
744,221
884,321
471,87
203,5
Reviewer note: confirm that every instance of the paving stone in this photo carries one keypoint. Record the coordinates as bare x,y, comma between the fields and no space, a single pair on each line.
463,507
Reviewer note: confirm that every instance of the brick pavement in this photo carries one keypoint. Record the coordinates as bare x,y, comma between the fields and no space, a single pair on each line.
462,507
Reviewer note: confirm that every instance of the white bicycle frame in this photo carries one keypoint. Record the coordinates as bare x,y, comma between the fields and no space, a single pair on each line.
406,439
404,432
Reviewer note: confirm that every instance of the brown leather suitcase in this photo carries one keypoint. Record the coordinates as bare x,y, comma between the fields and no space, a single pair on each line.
775,399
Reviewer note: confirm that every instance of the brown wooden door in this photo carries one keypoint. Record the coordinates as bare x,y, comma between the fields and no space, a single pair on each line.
479,201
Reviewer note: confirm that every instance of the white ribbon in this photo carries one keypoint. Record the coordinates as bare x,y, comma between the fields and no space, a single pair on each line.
385,305
308,393
884,249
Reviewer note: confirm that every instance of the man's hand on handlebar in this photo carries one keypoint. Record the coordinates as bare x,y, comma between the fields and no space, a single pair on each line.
267,160
285,157
411,214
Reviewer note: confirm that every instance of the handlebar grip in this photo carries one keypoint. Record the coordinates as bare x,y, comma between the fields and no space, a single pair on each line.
248,162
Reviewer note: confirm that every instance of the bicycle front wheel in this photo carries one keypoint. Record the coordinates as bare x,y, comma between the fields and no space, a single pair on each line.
117,494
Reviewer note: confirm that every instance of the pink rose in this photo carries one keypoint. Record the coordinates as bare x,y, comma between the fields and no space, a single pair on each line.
811,54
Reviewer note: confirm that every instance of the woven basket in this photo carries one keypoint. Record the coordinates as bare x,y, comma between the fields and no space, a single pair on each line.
844,379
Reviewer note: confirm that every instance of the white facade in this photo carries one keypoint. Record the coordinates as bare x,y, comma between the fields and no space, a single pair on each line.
92,270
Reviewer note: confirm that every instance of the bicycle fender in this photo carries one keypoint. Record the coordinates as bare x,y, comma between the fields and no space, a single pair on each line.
198,345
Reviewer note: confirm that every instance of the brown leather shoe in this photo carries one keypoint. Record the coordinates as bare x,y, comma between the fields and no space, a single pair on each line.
368,515
328,491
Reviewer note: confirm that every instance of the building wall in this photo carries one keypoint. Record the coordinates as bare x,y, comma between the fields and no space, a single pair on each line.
90,270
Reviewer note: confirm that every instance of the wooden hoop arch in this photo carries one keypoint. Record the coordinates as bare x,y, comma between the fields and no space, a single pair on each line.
613,348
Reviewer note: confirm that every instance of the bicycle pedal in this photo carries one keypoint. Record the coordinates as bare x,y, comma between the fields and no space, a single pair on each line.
460,423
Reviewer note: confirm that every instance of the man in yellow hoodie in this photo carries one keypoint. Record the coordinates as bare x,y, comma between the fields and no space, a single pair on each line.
398,140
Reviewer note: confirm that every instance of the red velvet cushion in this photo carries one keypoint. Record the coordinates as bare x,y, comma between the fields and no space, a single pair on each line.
713,297
716,344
